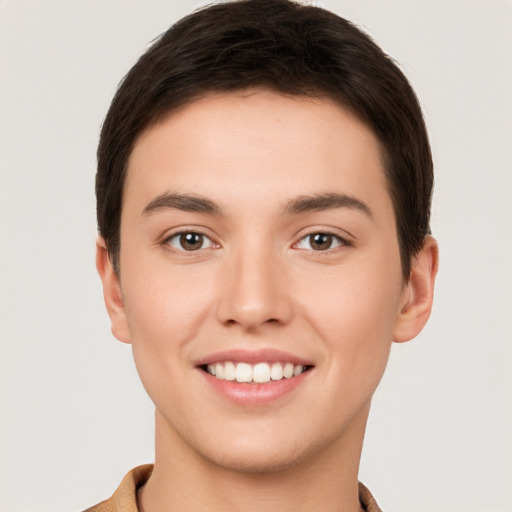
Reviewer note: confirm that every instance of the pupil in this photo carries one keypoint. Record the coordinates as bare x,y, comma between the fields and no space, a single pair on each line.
321,241
191,241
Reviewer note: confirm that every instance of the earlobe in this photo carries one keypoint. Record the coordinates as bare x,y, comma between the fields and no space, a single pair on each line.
418,293
112,293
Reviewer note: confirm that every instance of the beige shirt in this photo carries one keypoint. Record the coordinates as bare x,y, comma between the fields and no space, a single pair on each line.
125,497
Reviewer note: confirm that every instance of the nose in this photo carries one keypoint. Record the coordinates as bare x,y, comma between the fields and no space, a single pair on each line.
253,291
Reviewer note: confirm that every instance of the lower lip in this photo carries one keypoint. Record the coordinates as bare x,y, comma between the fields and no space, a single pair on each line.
255,394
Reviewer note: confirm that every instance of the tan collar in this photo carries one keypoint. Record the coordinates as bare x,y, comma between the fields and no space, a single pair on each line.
125,497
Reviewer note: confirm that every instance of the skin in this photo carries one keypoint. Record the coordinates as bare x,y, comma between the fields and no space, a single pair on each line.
258,283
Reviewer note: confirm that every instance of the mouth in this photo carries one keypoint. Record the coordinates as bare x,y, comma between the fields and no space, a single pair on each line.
258,373
254,377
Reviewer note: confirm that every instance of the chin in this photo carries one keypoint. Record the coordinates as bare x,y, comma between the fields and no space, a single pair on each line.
271,451
256,460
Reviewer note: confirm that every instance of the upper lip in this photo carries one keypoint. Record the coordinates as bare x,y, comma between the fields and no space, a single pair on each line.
269,355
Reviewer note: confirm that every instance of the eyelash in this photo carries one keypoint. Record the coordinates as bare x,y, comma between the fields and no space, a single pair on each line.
339,240
167,241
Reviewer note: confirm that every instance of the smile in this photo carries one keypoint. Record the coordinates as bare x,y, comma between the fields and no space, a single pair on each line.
258,373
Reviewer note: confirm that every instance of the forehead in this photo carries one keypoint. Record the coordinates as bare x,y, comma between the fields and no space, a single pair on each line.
238,147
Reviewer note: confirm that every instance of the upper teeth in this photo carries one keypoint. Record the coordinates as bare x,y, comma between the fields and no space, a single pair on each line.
260,372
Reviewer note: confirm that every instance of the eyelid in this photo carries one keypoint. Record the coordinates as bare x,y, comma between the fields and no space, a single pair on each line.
206,242
346,240
336,239
186,230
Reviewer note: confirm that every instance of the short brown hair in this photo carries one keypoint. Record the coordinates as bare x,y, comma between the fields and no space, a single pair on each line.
289,48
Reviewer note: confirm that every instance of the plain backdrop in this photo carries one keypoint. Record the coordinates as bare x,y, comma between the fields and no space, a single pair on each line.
74,417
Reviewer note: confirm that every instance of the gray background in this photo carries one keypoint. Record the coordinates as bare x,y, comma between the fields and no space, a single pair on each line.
74,418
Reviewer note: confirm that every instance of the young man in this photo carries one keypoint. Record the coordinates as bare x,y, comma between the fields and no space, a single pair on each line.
264,184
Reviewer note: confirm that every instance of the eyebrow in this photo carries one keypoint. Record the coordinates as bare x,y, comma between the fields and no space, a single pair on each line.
184,202
327,201
302,204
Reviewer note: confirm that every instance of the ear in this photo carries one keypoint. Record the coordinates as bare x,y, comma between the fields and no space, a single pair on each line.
418,293
112,293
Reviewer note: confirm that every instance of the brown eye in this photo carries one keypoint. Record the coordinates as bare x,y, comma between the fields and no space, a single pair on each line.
190,241
321,242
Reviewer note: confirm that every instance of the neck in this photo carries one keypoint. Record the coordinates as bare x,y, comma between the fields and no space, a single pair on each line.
184,480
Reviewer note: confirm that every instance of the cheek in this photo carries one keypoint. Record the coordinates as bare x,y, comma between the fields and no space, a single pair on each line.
350,302
356,330
165,313
165,303
353,311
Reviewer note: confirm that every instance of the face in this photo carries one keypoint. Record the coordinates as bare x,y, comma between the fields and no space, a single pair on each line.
260,281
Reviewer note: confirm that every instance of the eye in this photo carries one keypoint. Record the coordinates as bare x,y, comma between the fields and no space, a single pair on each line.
189,241
321,242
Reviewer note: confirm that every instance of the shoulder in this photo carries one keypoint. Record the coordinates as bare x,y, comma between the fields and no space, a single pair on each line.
367,500
125,497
